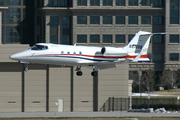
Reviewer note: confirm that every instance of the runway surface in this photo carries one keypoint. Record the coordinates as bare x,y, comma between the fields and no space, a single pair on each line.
86,114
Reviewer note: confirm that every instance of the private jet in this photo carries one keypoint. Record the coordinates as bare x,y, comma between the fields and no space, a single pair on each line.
96,58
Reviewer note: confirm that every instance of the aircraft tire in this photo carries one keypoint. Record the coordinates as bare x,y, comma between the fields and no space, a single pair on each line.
94,73
79,73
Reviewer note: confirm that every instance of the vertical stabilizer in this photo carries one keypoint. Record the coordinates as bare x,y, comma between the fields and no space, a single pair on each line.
138,43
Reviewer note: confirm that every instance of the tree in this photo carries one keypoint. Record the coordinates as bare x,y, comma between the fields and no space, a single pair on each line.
165,78
148,79
137,79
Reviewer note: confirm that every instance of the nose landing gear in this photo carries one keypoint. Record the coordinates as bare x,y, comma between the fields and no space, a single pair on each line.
26,68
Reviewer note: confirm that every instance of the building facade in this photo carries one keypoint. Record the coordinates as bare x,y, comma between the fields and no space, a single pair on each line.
84,22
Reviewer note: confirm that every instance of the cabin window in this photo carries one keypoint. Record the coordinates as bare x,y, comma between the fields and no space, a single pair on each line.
68,52
80,53
74,53
62,52
39,47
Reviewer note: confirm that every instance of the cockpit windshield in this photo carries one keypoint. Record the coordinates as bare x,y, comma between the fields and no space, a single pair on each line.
39,47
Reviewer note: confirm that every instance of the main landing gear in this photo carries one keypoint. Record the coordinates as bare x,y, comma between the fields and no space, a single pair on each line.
79,72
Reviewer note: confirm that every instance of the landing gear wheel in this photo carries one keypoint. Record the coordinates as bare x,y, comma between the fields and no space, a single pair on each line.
94,73
79,73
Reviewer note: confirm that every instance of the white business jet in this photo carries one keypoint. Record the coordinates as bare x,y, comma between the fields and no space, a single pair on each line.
86,56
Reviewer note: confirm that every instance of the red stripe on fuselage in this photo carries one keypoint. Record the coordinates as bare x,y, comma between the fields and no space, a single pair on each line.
126,57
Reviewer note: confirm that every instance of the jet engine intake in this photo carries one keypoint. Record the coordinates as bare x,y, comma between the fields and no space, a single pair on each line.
112,51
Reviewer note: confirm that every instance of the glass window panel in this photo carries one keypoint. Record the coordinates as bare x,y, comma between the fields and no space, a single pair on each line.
1,2
157,38
145,20
94,2
130,37
66,39
54,39
174,56
174,38
157,57
82,2
13,16
94,39
81,20
174,11
133,2
81,38
158,20
107,2
12,35
53,20
13,2
66,22
120,38
158,3
94,19
133,19
107,19
145,2
120,2
120,19
107,38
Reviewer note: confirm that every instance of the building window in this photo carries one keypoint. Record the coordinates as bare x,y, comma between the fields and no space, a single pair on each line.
1,2
174,38
13,2
54,29
82,2
120,19
12,35
158,57
120,38
145,20
174,11
66,39
107,38
94,2
107,19
107,2
130,37
158,20
120,2
94,19
158,38
66,31
60,3
81,38
133,2
13,16
146,2
133,19
158,3
81,20
94,39
54,39
174,56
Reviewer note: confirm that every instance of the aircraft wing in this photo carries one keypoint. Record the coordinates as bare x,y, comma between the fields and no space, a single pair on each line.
100,65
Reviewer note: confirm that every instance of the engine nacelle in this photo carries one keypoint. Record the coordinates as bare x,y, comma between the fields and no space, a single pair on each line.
112,51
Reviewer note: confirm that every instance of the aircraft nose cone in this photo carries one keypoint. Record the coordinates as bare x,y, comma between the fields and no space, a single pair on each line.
14,57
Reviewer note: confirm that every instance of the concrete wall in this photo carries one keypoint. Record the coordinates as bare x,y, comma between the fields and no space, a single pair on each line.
59,87
83,91
113,83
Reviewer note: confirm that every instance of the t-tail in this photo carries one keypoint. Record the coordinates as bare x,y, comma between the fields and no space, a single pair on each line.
138,47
